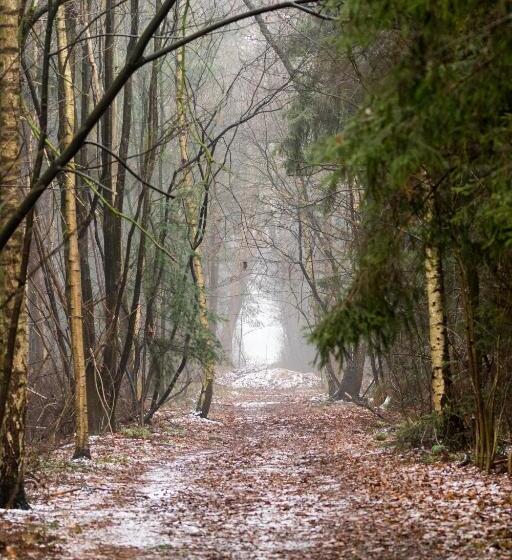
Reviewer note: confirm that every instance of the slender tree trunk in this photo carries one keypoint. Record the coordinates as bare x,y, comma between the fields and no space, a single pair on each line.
439,352
333,385
437,328
111,222
273,43
148,167
158,402
237,290
206,395
73,273
485,422
13,319
94,405
191,212
126,128
213,272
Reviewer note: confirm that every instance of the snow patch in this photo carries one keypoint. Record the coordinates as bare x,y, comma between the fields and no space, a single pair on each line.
276,378
258,404
194,416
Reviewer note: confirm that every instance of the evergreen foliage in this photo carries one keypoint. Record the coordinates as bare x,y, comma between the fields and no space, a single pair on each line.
430,148
442,111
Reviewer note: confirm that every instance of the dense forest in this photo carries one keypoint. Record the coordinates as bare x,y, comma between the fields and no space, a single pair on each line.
180,177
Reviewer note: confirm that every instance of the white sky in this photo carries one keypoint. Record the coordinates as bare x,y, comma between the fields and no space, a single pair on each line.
262,344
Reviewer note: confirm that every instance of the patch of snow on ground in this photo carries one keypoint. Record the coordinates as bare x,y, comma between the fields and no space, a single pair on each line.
258,404
275,378
98,520
195,417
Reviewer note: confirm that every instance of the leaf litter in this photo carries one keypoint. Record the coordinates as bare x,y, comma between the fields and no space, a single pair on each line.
277,473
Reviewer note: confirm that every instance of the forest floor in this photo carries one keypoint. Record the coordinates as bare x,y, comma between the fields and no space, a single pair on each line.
274,474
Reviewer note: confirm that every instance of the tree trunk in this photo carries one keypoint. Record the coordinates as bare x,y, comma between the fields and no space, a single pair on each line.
13,320
94,405
213,272
191,211
73,273
439,351
206,395
148,167
237,290
333,385
437,328
353,373
485,415
111,222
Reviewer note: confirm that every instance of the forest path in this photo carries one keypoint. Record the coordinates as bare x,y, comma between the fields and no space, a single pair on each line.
274,475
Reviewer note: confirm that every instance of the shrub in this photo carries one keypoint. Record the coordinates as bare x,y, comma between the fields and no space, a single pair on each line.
137,432
423,432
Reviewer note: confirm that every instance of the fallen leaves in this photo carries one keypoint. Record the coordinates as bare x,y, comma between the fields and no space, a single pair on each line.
272,476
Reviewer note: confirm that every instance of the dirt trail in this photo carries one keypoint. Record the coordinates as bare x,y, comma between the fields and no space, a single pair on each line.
275,475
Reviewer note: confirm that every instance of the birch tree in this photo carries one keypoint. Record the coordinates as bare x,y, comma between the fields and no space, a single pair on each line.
73,272
438,335
13,320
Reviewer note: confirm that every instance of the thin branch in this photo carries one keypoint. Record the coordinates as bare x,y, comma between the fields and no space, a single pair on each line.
134,61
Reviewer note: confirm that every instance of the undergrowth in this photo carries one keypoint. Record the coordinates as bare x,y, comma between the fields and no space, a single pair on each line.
429,431
136,432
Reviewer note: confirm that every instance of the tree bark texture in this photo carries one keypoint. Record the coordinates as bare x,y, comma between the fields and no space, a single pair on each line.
191,212
13,318
73,272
